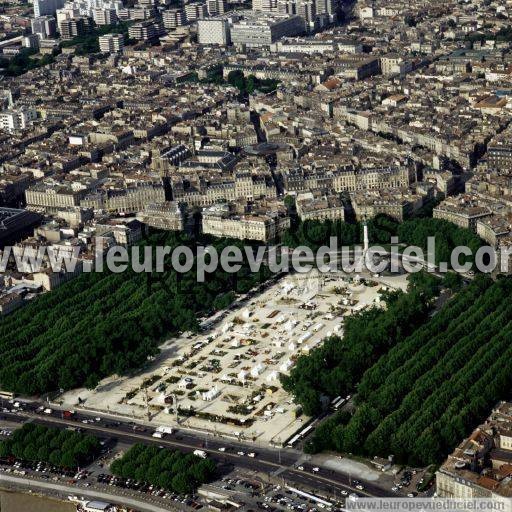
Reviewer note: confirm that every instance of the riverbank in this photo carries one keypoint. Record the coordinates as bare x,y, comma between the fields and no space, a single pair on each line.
15,501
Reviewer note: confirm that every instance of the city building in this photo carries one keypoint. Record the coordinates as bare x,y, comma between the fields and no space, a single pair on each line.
216,7
125,199
265,29
395,203
325,207
219,220
105,16
265,5
45,26
169,215
10,302
111,43
480,467
47,7
173,18
17,119
214,31
195,11
463,211
14,222
74,27
145,30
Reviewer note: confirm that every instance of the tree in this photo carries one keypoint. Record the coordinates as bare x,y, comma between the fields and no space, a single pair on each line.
453,281
182,483
236,79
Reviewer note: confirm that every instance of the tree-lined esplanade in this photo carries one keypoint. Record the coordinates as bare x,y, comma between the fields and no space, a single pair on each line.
104,323
413,402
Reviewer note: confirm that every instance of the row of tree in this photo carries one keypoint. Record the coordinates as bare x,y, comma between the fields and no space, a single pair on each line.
336,366
61,448
414,402
172,470
415,232
102,323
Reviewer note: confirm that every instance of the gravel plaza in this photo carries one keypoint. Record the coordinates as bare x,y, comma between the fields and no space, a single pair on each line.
226,379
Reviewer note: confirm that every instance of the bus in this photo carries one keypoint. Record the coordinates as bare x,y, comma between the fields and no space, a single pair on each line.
7,395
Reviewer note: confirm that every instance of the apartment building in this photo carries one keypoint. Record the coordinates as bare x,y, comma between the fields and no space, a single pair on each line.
395,203
214,31
74,27
111,43
44,26
326,207
47,7
173,18
195,11
216,7
148,30
52,197
105,16
265,29
132,198
17,119
14,221
351,179
480,467
219,221
169,215
242,186
465,212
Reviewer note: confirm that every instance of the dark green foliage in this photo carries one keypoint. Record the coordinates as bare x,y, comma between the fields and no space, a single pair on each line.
89,43
503,35
411,232
24,62
214,76
336,367
314,234
247,85
173,470
58,447
447,237
103,323
413,402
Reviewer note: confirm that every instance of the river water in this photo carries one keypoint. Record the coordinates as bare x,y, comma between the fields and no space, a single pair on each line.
19,502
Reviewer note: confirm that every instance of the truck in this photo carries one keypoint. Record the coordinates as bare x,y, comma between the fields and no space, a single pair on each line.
164,430
200,453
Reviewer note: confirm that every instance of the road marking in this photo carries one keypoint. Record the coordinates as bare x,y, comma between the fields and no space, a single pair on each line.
111,433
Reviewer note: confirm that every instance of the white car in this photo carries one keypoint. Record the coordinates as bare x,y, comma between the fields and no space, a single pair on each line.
241,453
222,449
252,455
344,493
315,470
300,468
360,487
